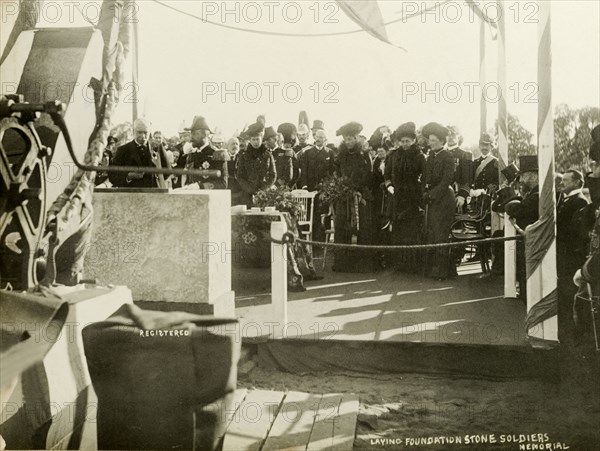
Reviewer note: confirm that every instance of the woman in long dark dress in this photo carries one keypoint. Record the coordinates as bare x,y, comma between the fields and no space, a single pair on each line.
352,163
403,179
439,196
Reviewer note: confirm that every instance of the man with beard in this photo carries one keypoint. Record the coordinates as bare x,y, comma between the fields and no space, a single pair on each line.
320,126
485,168
142,153
316,163
570,253
203,156
463,161
403,173
303,144
286,163
353,213
255,167
523,211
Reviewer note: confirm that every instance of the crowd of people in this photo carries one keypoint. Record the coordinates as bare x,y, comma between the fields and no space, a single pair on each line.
409,187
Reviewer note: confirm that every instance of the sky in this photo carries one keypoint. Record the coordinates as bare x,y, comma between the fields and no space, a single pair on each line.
189,67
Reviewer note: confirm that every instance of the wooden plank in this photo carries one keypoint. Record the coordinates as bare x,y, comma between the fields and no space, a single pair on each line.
251,422
292,428
345,424
323,429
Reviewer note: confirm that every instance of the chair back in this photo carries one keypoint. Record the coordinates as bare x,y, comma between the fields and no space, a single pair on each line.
307,199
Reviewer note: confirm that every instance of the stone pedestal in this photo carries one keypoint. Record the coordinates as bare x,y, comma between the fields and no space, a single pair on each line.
171,249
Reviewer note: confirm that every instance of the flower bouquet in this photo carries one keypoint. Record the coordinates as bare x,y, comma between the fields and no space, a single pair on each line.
334,189
279,197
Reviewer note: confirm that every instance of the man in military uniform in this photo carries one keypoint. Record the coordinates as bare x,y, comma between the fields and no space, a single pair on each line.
203,156
463,162
485,168
320,125
256,166
303,144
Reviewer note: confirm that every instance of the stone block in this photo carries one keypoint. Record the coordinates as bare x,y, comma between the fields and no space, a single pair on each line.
170,249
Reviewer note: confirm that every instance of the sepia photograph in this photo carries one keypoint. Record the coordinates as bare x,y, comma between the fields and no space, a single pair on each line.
280,225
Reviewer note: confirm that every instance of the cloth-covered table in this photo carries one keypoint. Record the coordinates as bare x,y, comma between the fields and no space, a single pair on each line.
251,243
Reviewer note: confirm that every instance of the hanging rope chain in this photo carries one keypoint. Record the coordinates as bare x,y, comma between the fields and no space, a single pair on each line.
290,238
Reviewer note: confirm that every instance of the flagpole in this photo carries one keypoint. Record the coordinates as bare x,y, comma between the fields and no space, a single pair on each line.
541,275
510,253
135,62
482,80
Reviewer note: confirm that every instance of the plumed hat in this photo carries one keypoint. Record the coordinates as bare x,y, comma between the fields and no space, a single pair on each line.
528,163
485,138
199,123
350,129
269,133
288,130
254,130
408,129
433,128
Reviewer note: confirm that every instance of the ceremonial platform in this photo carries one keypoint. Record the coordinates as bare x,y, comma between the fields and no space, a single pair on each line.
391,322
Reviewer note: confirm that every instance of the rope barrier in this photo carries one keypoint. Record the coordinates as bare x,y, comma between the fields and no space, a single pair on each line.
290,238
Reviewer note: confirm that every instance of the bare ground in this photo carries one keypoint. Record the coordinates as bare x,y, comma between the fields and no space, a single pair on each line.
396,408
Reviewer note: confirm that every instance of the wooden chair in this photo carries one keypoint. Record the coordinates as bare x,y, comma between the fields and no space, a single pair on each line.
328,221
305,218
475,226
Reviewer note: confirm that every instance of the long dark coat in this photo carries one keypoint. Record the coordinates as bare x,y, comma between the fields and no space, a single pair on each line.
487,176
439,176
255,171
315,165
208,158
404,171
131,154
355,165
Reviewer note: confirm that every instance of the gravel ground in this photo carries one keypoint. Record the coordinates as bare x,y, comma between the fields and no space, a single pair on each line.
399,411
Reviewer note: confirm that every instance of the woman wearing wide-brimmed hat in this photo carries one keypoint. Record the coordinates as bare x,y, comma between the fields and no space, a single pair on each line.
439,199
403,173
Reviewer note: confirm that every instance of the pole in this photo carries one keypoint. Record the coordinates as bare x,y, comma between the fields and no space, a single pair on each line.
510,253
135,61
279,278
541,274
482,79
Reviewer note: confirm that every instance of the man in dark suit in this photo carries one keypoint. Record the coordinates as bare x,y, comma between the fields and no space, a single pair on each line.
142,153
570,254
524,211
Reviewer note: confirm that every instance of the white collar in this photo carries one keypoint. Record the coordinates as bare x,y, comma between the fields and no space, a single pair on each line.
575,192
453,147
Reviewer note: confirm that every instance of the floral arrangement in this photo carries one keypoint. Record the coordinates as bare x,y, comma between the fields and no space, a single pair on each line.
334,188
279,197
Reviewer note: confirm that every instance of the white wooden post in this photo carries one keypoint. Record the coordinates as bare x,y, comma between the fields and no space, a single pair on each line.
279,278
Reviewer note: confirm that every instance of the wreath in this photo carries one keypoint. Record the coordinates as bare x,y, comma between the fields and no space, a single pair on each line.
279,197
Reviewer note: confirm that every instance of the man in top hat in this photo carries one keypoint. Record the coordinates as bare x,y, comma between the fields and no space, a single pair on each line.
203,156
143,153
320,125
523,211
354,214
485,168
256,166
302,135
286,164
463,162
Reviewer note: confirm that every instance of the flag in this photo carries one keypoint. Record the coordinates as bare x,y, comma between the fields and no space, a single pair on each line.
367,14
